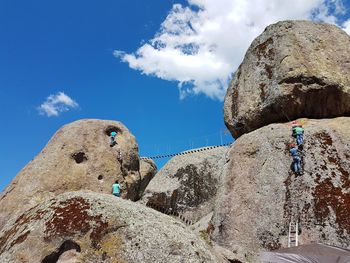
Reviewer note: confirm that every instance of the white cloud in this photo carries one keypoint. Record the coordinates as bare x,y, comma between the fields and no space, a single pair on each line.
202,44
346,26
57,103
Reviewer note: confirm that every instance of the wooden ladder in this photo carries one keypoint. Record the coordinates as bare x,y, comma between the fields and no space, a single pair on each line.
293,234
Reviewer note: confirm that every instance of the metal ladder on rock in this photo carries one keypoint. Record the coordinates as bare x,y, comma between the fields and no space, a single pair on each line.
293,234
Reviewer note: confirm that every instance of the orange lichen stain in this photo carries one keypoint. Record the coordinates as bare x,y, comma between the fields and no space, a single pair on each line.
325,138
20,239
262,90
261,49
327,197
268,69
72,217
19,227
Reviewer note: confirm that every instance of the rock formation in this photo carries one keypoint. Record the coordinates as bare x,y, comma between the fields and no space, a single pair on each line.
77,157
84,227
148,170
294,69
262,195
243,199
188,184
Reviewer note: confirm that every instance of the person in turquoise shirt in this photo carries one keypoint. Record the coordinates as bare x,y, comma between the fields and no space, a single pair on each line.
298,132
113,142
116,189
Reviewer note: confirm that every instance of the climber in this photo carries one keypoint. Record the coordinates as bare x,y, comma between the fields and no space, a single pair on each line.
119,155
116,189
298,132
113,142
294,151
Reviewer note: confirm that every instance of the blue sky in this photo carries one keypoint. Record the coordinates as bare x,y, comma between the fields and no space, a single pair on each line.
160,67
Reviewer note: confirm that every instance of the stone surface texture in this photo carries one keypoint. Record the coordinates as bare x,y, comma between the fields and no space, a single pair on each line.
237,201
77,157
87,227
189,183
148,170
261,194
294,69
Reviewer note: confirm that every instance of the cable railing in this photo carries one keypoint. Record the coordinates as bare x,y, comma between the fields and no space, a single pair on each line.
170,212
187,151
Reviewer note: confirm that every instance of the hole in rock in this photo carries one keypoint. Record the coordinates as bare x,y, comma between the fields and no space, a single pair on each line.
79,157
100,177
111,128
66,245
238,125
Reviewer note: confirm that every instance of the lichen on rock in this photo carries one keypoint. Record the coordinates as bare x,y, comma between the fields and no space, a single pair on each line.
262,195
93,227
78,157
188,185
294,69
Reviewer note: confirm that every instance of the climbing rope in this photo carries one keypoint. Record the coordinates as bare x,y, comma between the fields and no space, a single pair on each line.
187,152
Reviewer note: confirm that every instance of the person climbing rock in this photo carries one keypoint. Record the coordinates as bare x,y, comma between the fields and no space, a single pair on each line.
116,189
298,133
113,142
119,155
296,165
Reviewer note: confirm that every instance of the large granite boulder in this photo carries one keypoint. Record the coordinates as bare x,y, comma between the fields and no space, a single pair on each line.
188,184
87,227
294,69
261,194
77,157
148,170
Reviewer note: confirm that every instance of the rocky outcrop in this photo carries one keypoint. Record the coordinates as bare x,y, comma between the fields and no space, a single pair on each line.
77,157
294,69
92,227
188,184
261,194
148,170
243,199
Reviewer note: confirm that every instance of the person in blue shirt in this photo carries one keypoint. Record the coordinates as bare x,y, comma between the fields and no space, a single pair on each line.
116,189
294,151
113,142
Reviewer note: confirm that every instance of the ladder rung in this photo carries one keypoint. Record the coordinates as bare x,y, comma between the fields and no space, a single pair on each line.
293,234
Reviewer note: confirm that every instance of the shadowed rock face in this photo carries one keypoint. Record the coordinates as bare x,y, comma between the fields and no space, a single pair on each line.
148,170
294,69
77,157
90,227
188,184
261,194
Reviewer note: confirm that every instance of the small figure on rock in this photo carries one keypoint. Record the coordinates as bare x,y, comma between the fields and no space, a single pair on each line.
116,189
119,155
296,165
113,142
298,132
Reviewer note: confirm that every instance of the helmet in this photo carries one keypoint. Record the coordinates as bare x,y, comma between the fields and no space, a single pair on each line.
296,124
